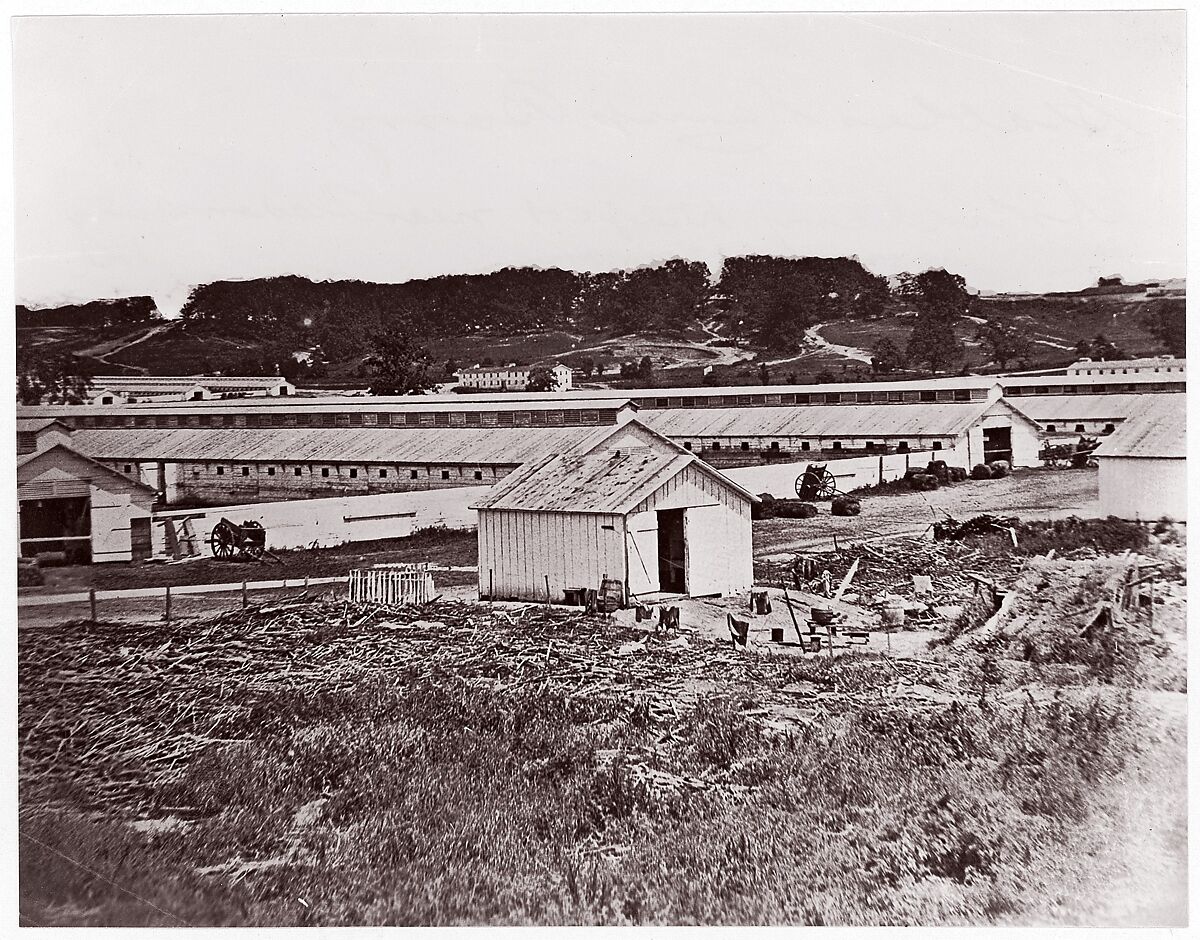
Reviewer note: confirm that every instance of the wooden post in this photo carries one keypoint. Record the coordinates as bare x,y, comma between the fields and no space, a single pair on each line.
547,577
491,590
788,600
167,604
245,599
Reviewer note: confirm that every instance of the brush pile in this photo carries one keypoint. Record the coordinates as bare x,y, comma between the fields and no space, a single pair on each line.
110,712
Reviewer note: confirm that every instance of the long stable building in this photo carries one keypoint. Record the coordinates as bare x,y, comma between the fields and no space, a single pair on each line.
215,451
529,409
240,466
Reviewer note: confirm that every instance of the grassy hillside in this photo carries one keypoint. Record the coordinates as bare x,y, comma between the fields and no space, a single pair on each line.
840,349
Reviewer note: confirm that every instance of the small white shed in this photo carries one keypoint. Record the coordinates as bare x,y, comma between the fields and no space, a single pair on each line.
626,503
67,502
1143,465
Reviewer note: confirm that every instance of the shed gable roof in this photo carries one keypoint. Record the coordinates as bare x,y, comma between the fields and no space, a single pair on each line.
609,472
1158,429
62,462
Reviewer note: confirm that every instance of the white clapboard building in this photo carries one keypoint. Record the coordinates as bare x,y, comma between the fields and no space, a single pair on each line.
1143,465
625,503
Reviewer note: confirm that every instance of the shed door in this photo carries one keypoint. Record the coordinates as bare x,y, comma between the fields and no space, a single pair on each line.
642,550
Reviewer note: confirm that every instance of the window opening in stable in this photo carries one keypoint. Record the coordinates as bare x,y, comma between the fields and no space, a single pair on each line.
837,445
324,471
245,471
270,471
445,474
902,447
774,445
297,472
937,445
412,474
805,445
128,468
382,474
1079,428
478,474
687,445
1109,428
220,471
745,445
354,473
929,396
195,473
1051,428
716,445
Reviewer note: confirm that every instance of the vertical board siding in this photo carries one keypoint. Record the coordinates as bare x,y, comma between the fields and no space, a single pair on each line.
522,549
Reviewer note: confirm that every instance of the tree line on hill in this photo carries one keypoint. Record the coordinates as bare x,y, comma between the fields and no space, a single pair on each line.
766,302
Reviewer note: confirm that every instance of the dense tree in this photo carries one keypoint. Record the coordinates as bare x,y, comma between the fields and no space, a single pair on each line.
773,301
1167,321
887,357
1005,342
109,316
542,379
396,366
1100,348
54,378
942,300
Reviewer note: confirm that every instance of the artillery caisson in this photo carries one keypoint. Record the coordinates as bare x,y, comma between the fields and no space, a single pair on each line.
247,541
816,482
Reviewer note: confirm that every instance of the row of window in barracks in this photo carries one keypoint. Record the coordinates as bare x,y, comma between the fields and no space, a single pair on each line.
253,481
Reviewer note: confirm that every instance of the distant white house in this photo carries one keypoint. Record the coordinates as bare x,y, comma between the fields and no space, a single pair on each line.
1126,366
1143,465
511,378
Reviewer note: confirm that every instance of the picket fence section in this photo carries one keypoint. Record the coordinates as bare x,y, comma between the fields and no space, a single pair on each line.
391,584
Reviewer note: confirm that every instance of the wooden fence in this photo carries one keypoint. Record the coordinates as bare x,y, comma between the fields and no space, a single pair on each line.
391,584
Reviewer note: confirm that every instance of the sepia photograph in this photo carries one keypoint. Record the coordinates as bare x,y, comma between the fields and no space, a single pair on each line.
509,469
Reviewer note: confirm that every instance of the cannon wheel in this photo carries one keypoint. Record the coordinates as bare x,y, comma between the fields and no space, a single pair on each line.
223,541
826,487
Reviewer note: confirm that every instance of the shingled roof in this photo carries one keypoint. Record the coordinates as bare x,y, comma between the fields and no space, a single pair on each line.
1157,429
609,472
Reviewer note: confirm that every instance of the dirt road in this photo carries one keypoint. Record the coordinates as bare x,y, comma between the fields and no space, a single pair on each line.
1028,494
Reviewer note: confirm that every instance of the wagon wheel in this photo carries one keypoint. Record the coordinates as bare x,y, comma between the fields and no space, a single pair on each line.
222,540
800,491
252,549
827,488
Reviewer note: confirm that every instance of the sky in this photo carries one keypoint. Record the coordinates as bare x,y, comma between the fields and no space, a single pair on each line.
1032,151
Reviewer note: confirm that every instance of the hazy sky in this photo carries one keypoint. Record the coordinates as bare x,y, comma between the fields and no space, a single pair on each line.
1025,151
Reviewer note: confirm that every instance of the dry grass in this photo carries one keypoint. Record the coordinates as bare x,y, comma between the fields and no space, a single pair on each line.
484,775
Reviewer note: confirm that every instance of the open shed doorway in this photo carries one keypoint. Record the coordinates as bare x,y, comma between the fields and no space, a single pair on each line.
672,552
62,524
997,444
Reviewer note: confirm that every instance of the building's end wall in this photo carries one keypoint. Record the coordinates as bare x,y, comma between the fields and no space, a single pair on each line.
1143,488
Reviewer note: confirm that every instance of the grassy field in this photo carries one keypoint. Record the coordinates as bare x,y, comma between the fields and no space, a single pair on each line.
452,547
460,764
